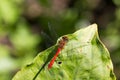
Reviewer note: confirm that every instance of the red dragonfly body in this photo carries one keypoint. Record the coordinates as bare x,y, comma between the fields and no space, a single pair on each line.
61,45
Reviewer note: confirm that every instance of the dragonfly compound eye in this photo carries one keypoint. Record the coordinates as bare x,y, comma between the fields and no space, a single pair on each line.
65,38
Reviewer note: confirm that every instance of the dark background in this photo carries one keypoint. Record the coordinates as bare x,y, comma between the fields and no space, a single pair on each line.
30,26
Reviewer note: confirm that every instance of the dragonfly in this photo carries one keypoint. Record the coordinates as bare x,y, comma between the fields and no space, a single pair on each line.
61,45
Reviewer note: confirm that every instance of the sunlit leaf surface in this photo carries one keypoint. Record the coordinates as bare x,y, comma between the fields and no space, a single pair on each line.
84,57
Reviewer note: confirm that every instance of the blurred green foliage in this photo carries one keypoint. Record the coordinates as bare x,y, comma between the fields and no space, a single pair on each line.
24,29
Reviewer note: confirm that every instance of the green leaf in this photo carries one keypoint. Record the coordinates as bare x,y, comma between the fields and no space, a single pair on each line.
84,57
